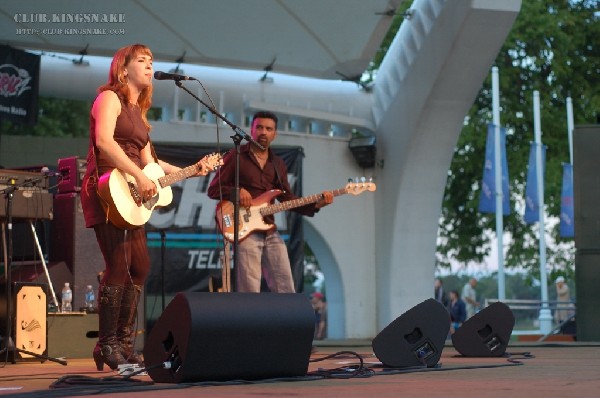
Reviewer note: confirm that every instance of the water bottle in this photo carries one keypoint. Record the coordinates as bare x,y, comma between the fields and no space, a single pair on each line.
90,298
67,299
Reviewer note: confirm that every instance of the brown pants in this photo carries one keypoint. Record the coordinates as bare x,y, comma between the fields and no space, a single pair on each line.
125,254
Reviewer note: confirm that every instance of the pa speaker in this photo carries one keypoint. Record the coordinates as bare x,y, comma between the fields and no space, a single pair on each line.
228,336
485,334
415,338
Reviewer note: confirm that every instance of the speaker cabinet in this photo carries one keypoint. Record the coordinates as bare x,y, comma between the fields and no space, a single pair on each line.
485,334
71,242
587,280
227,336
414,338
29,324
72,170
586,187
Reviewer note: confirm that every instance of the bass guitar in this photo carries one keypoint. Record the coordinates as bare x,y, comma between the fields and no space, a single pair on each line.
124,205
251,218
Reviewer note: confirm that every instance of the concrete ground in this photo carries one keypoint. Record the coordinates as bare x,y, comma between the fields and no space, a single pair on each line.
564,369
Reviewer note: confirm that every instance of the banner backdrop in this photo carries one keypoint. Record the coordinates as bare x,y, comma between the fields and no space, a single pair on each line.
487,197
183,240
567,216
19,85
532,197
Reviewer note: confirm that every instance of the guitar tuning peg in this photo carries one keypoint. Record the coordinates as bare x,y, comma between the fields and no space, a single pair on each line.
349,179
363,179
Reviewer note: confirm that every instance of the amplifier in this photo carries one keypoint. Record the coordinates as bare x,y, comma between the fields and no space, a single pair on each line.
22,179
72,170
32,204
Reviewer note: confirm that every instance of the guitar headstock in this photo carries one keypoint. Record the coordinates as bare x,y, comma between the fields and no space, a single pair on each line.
360,185
211,162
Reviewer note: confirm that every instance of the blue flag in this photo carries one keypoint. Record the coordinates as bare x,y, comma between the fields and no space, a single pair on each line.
487,198
532,199
567,220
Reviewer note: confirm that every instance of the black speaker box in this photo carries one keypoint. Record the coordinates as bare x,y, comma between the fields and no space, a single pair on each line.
414,338
587,280
75,245
228,336
485,334
586,187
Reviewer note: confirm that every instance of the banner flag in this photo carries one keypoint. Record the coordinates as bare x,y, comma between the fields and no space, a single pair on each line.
487,198
532,199
19,85
567,218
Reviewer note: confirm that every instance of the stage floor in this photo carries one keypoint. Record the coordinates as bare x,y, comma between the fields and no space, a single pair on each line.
553,370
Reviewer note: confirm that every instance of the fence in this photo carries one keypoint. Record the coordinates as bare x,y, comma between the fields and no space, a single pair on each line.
527,313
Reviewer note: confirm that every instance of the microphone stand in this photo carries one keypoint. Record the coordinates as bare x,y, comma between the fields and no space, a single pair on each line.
8,253
237,139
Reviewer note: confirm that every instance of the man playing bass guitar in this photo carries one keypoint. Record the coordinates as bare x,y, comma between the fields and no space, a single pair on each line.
263,252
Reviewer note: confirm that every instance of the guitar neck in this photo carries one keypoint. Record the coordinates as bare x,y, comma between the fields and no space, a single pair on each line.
177,176
291,204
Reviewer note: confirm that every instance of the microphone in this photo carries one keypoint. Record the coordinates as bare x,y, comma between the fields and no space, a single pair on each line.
46,172
158,75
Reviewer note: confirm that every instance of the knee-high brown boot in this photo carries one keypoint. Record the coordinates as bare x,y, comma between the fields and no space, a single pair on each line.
126,325
107,350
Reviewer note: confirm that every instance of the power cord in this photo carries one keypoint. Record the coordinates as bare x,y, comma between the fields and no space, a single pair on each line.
345,372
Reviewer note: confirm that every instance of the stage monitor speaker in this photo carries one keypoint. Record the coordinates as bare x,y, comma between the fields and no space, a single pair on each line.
228,336
485,334
29,323
414,338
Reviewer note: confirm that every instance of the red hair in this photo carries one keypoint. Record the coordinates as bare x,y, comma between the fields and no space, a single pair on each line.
117,81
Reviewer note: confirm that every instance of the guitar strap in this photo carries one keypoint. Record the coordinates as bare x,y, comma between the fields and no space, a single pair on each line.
277,174
105,205
152,150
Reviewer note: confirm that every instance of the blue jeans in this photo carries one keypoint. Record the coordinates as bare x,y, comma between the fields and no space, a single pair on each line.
263,254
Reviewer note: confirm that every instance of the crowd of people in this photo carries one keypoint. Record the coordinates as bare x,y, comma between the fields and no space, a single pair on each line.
460,306
465,305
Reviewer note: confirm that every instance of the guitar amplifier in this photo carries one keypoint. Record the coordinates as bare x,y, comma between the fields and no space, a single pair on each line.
72,170
28,203
23,179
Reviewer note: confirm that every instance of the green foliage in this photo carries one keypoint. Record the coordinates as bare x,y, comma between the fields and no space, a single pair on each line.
57,118
552,48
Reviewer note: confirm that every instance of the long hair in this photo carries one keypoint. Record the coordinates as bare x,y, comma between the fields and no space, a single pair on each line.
117,82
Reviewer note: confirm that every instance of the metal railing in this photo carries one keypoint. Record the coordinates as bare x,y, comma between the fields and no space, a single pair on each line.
526,314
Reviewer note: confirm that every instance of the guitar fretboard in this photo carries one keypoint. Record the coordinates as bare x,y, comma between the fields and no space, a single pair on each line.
291,204
177,176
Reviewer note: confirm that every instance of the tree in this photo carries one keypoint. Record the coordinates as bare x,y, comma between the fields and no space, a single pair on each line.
56,118
552,48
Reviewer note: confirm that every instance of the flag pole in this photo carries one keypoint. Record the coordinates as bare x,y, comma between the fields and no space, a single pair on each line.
545,317
570,127
498,182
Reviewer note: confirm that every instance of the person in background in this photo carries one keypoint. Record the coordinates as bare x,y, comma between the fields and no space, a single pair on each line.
458,313
438,292
563,298
469,295
320,306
